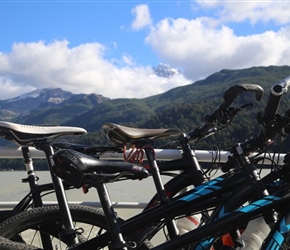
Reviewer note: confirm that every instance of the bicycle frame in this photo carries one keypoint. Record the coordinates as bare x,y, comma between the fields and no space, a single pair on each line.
230,221
278,233
206,195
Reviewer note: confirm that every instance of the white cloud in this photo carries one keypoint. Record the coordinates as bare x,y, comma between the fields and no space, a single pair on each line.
80,69
248,10
204,45
142,17
128,60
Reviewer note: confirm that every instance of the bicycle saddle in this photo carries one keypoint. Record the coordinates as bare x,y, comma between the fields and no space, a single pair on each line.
27,135
78,169
92,150
121,135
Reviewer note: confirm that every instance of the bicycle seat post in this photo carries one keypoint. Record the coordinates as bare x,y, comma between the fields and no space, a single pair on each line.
114,228
171,225
31,179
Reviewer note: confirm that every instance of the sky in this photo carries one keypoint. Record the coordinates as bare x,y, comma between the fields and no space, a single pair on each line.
110,47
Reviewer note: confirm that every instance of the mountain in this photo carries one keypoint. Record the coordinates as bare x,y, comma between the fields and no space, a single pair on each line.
43,101
63,112
182,107
37,99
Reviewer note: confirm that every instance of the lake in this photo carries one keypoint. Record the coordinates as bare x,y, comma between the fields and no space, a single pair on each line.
133,191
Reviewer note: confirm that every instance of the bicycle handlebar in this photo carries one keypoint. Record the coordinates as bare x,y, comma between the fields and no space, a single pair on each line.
229,96
272,123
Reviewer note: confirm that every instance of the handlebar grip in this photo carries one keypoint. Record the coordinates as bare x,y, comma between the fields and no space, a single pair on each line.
275,95
231,94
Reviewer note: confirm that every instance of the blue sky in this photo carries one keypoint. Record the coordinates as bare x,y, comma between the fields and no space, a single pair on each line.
110,47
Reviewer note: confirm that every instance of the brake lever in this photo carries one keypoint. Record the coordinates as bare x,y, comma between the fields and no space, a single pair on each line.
247,105
228,114
210,132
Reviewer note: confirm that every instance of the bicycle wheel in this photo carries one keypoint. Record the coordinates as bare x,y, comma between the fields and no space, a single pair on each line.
26,226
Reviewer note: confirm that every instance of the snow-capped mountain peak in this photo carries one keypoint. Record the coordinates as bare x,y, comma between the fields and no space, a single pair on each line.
33,94
164,70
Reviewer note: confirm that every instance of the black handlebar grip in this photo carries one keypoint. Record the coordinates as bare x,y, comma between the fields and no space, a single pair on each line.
275,96
231,94
272,105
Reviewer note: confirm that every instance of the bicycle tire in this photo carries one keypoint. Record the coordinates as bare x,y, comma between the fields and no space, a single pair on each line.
6,244
49,217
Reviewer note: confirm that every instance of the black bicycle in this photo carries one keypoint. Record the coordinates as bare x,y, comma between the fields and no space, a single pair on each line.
41,137
143,139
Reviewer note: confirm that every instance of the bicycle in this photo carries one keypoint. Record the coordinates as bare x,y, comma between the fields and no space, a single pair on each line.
41,138
191,171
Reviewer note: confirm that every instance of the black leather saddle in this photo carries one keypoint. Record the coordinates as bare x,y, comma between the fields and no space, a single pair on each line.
77,168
